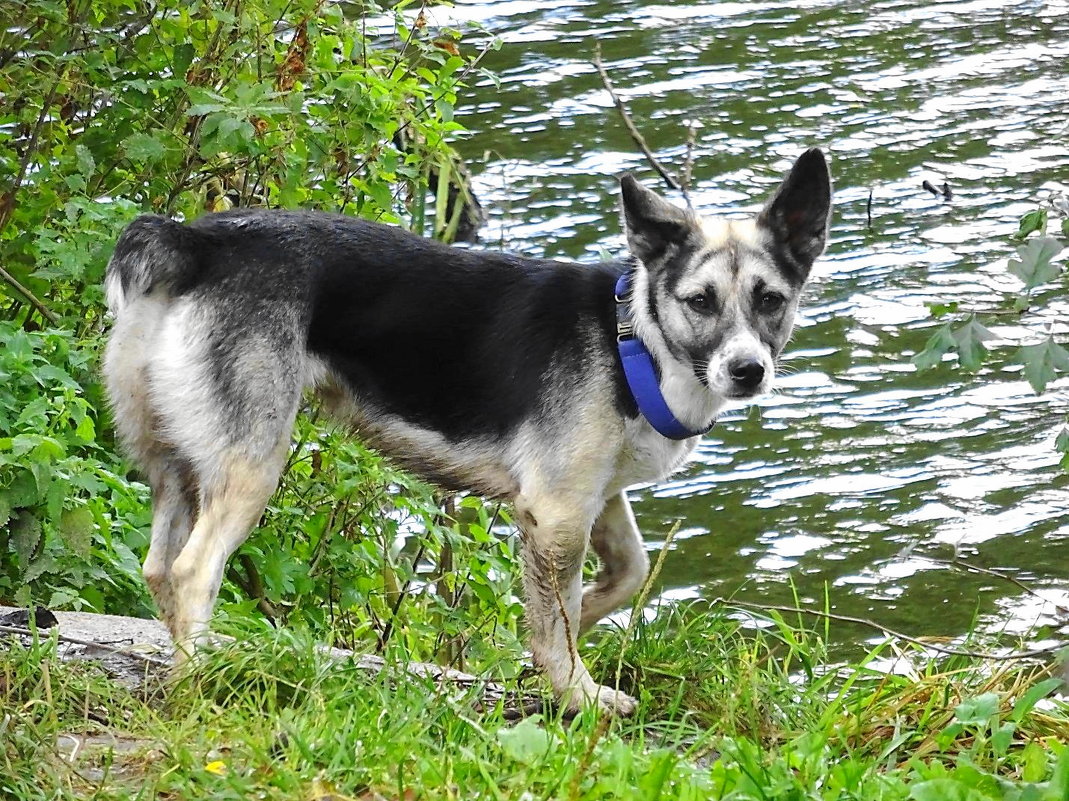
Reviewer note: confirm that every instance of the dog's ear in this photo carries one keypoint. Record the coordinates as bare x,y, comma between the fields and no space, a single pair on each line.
799,212
652,223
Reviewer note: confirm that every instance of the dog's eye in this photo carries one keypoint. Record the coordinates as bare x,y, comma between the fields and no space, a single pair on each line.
770,302
702,302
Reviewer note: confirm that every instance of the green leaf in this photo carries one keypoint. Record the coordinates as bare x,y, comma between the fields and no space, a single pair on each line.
86,163
183,57
86,429
1033,265
444,109
1033,221
945,790
527,742
25,536
939,343
1034,759
200,109
1059,782
1002,738
937,310
22,491
970,343
1034,695
76,527
143,147
1065,227
656,775
977,711
1061,443
1042,362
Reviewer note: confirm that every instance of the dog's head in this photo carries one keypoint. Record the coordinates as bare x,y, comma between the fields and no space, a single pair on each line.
716,298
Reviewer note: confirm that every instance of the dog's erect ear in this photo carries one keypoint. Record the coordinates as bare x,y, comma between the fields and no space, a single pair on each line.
798,213
651,222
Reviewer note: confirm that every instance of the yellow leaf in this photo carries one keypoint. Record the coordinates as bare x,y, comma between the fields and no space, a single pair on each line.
218,767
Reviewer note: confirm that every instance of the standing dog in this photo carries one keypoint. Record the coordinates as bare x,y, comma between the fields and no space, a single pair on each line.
492,373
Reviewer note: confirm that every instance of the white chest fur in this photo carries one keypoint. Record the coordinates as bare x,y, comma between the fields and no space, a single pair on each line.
647,457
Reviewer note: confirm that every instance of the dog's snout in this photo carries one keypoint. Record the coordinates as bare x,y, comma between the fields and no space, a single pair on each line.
747,373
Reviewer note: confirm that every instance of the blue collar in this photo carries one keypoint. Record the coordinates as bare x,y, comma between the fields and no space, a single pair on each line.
641,372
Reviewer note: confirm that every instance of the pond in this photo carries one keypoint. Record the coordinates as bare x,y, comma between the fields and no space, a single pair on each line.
861,473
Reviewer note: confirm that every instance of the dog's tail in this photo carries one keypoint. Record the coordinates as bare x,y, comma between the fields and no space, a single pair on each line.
153,253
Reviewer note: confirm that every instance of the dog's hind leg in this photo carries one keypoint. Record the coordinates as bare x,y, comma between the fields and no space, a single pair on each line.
555,529
230,506
624,563
174,503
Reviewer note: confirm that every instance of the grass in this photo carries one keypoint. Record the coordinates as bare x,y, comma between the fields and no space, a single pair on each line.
726,712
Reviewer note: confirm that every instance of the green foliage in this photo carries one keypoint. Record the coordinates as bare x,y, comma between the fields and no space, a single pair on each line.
112,108
1035,265
357,550
69,519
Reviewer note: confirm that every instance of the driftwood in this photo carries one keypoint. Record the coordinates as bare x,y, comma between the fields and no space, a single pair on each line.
134,651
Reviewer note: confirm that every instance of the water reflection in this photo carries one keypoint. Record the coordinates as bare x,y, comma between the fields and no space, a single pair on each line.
860,468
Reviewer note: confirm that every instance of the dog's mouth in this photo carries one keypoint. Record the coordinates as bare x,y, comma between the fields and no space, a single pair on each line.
744,395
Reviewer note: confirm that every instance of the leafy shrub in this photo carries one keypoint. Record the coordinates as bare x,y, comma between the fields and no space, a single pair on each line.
69,519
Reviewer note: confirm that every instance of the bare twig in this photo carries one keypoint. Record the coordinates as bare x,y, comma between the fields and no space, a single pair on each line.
417,25
46,312
387,630
254,587
625,115
971,568
1013,655
688,163
643,594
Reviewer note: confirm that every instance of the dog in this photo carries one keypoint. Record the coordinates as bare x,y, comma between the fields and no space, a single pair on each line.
550,384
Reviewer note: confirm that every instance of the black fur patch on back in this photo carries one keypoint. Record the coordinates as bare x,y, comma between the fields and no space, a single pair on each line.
463,342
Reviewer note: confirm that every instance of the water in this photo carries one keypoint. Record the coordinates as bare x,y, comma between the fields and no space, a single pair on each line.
860,470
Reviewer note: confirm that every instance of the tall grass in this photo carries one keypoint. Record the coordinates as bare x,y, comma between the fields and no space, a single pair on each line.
727,710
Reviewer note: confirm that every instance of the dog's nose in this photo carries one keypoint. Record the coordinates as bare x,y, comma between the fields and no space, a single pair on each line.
747,373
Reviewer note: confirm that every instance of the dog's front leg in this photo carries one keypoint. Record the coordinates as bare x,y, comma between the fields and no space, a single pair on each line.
624,564
554,540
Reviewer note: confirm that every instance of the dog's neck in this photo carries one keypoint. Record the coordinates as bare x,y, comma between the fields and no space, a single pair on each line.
665,394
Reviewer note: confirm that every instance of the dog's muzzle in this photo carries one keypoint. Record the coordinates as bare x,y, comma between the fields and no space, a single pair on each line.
746,376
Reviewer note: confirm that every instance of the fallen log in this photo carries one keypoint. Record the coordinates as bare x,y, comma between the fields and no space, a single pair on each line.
133,651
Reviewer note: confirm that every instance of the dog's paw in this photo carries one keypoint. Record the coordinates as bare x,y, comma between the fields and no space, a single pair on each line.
615,702
607,700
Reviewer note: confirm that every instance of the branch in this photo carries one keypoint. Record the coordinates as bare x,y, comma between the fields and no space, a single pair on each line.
47,313
636,135
986,571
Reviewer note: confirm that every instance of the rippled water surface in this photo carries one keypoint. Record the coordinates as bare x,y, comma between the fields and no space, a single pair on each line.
861,471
